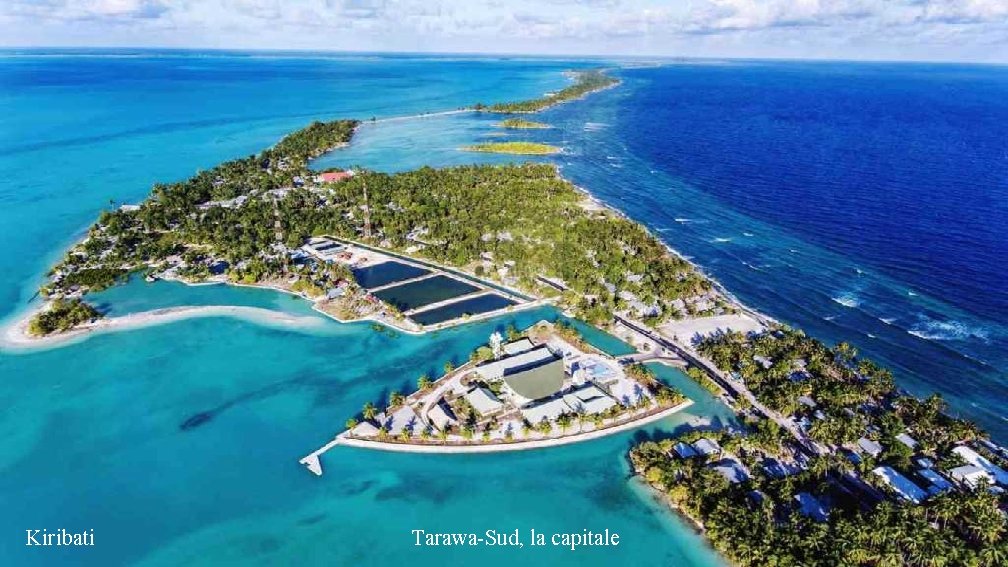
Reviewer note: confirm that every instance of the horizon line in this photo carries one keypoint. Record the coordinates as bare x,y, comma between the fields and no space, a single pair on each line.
511,54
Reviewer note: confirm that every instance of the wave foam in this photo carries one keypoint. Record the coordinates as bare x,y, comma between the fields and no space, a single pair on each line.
932,330
847,299
721,239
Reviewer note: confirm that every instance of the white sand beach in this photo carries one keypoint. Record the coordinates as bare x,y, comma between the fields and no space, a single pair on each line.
15,336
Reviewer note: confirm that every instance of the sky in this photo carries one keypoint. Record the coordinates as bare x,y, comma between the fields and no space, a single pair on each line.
934,30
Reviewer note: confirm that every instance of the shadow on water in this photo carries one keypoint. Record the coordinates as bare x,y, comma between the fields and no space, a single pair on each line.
202,418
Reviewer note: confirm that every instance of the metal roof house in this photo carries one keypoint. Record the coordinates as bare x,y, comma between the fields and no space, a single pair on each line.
483,401
999,475
810,507
706,447
589,400
901,484
499,368
873,448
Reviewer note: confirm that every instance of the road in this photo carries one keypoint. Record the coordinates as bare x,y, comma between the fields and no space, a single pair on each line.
735,388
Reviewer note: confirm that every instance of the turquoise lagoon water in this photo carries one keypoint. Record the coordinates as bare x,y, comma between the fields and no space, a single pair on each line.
178,443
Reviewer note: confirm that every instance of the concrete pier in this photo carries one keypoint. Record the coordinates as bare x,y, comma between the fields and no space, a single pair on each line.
312,461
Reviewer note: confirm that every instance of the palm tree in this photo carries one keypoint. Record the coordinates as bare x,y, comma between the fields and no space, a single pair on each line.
423,383
370,411
564,421
351,423
395,398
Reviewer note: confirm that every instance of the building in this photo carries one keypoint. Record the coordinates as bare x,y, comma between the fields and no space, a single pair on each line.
589,400
324,249
901,484
518,347
999,475
684,451
548,411
810,507
483,401
496,369
441,416
333,176
905,439
706,447
873,448
777,469
936,482
971,475
731,470
535,383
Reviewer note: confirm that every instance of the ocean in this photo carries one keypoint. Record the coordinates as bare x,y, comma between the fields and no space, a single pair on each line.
862,202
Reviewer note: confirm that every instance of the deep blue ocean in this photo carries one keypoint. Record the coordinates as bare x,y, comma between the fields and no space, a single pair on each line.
861,202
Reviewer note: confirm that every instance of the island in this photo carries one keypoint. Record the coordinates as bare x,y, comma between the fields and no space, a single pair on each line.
519,148
826,449
538,388
523,124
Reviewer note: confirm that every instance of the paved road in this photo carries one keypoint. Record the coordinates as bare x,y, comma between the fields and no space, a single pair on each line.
735,388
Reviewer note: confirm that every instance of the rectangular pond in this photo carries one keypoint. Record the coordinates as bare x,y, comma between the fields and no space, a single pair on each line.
471,306
424,292
386,273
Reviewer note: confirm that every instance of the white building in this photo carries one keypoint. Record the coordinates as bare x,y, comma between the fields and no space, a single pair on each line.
589,400
483,401
441,416
323,248
971,475
706,447
901,484
497,369
999,475
549,410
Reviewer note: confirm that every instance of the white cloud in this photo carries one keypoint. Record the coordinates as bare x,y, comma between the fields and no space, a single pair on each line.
846,28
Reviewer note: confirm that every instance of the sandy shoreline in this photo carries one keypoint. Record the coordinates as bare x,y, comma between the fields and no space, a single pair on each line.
15,336
344,440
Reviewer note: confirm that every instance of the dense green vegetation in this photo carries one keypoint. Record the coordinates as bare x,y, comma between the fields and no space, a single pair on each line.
61,315
758,521
587,82
766,528
528,219
854,394
519,148
523,124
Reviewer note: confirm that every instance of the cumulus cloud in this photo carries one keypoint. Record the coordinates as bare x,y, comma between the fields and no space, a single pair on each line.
658,26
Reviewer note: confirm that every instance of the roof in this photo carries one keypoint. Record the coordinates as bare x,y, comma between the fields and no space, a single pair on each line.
550,410
706,447
589,400
512,364
970,474
907,440
873,448
777,469
684,450
335,175
901,484
811,507
441,415
937,481
972,457
518,347
537,382
483,400
732,470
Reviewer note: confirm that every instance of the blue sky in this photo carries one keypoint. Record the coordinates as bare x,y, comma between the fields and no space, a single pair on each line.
967,30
